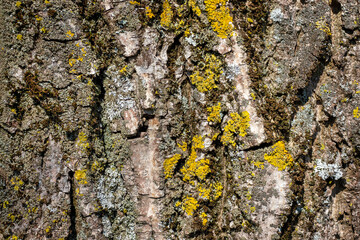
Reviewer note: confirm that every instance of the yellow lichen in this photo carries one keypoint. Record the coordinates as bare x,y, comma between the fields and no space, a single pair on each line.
134,3
197,142
280,157
356,113
149,13
219,17
238,124
19,37
183,146
196,9
170,164
82,141
18,4
96,166
189,205
258,164
323,26
80,176
17,182
5,203
48,229
214,113
204,218
207,74
167,14
212,193
69,34
13,237
193,167
72,61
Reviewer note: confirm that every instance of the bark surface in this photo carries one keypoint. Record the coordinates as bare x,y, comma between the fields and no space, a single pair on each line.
180,119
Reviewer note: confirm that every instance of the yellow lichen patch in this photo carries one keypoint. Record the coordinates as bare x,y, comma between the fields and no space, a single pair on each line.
96,166
204,218
212,193
193,167
197,142
258,164
80,176
219,17
238,124
356,113
149,13
217,190
189,205
13,237
207,74
167,14
323,26
183,146
18,4
215,136
196,9
17,182
214,113
19,37
48,229
134,3
170,164
69,34
280,157
72,61
5,203
82,141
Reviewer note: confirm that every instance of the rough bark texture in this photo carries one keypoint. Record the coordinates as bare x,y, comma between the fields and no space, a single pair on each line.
180,119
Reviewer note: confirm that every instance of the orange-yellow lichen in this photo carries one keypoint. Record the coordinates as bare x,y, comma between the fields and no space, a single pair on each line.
219,17
197,142
69,34
212,193
167,14
170,164
183,146
356,113
19,37
189,205
323,26
17,182
204,218
214,113
238,124
196,9
193,167
280,157
258,164
82,141
149,13
207,74
80,176
134,3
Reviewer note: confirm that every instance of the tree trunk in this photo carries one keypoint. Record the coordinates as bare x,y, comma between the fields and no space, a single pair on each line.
180,119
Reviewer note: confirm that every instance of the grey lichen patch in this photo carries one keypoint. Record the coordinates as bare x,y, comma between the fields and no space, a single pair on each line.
326,170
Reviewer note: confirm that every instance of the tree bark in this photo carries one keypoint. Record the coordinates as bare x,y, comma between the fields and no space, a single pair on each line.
180,119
